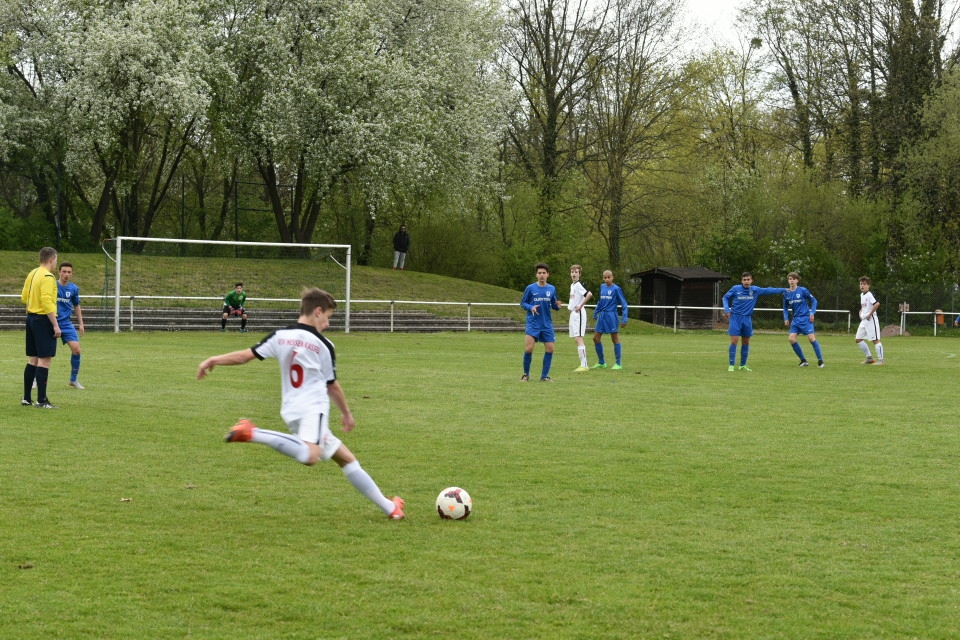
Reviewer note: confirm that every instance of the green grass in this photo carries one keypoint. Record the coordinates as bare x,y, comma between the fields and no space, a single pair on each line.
671,500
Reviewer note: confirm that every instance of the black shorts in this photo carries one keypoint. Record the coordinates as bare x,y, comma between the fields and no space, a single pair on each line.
231,311
41,343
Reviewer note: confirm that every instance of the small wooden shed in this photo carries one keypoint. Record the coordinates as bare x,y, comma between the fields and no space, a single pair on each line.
683,287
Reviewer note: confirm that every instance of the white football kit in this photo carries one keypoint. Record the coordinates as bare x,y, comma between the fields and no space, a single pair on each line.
578,319
869,328
307,365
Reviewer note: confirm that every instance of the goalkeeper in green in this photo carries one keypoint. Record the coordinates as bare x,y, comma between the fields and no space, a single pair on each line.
233,305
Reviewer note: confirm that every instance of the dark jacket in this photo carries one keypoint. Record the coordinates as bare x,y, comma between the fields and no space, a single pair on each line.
401,241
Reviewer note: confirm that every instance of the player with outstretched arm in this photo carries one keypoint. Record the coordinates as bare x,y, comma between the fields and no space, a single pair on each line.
738,305
308,372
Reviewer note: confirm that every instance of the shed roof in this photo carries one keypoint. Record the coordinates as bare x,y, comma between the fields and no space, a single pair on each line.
684,273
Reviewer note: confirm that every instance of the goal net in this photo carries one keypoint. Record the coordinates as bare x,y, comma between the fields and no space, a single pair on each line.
166,284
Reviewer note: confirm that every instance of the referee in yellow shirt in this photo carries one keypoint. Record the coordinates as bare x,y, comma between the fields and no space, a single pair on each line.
40,296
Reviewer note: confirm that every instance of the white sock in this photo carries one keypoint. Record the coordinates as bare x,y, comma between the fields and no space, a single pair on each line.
879,347
362,481
865,348
582,352
286,443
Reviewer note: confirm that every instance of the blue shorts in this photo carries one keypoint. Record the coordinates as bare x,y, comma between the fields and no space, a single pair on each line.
608,322
741,326
802,327
68,332
41,343
543,335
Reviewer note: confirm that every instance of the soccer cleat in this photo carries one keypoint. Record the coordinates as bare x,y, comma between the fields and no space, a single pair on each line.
599,365
820,364
25,403
731,368
45,404
243,330
546,379
223,330
76,384
524,378
868,361
581,369
804,363
744,367
398,513
617,367
241,432
878,363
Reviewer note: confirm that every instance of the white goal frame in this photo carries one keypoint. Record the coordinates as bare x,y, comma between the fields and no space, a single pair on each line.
119,261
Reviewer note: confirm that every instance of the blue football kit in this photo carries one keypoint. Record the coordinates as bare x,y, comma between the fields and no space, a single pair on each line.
540,324
802,305
739,304
605,312
68,297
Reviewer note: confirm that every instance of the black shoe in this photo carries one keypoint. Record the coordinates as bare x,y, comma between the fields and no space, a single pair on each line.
25,403
45,404
804,363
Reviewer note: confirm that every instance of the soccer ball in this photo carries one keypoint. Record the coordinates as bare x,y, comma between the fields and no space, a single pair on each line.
454,503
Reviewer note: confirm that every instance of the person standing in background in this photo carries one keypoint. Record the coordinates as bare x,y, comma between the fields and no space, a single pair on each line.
401,244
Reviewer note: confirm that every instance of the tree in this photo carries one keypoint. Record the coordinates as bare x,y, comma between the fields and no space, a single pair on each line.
384,97
633,117
548,56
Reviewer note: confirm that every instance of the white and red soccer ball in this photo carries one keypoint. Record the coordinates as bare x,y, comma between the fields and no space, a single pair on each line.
454,503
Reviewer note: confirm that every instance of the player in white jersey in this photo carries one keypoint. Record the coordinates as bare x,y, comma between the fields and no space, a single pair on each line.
869,328
308,378
579,296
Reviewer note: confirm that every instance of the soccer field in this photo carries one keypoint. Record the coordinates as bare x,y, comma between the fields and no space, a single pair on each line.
672,499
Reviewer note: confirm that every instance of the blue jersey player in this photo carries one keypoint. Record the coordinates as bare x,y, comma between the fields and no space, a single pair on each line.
539,299
68,302
738,305
801,303
605,313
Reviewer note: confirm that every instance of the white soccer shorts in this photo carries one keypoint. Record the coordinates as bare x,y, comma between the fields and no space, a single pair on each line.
869,329
578,323
315,428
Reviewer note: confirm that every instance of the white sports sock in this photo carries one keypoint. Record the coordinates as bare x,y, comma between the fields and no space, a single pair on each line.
582,352
879,348
362,481
286,443
865,348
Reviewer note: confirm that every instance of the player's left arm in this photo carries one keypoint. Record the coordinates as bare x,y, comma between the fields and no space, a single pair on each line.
813,305
335,391
226,359
554,301
623,303
79,319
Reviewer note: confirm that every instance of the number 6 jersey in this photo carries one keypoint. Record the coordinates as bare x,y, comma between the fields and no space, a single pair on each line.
307,365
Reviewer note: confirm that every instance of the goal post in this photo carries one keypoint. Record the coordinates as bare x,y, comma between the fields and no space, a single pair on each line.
210,271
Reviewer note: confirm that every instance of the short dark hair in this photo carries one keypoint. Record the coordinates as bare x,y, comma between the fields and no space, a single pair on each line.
239,284
46,253
865,279
313,298
66,264
793,274
745,274
542,265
